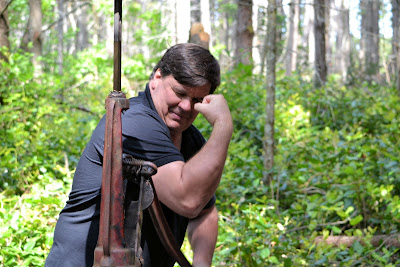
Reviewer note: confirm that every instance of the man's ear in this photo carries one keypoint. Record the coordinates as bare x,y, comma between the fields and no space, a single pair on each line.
157,74
156,78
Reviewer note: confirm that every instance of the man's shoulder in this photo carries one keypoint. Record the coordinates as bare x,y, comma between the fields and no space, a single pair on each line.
139,110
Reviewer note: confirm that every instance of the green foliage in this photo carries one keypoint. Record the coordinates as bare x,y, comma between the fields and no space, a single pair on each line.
336,173
337,162
46,119
27,223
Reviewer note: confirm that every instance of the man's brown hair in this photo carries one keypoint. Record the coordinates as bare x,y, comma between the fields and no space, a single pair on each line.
191,65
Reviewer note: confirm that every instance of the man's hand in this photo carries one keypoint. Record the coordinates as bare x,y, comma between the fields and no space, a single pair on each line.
215,109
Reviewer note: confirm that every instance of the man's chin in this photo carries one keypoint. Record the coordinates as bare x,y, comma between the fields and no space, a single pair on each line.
175,126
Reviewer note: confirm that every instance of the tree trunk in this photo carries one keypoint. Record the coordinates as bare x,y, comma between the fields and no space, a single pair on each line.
370,37
200,30
259,35
195,11
227,27
60,30
293,35
309,38
182,18
244,32
82,35
205,16
269,143
279,29
71,24
4,28
395,42
342,62
328,49
347,241
319,30
35,31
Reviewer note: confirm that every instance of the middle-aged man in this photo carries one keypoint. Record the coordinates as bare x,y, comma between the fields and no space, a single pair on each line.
158,127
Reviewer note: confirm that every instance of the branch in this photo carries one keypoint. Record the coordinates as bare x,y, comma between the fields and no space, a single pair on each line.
323,224
376,240
5,8
62,18
82,108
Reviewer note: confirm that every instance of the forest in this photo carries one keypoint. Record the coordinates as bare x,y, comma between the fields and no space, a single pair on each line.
312,176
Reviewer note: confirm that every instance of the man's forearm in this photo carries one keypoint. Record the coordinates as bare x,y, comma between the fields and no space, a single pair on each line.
203,172
202,233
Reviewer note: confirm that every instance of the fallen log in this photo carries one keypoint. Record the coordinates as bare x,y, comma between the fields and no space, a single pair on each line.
376,240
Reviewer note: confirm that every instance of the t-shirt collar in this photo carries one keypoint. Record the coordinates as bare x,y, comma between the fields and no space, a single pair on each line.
149,100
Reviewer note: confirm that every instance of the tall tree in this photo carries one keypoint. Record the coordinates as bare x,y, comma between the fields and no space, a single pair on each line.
271,50
259,24
82,34
244,32
370,37
195,11
60,30
395,41
293,36
342,30
182,20
4,26
308,36
200,31
35,30
205,15
319,31
327,15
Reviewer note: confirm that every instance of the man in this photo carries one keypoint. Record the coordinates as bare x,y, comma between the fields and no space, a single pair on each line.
158,127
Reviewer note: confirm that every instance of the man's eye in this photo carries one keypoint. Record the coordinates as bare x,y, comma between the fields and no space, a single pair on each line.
197,100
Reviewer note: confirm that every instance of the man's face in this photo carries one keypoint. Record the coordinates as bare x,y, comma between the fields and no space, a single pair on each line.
175,102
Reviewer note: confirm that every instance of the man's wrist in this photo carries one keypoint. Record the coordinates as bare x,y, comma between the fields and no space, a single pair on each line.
201,264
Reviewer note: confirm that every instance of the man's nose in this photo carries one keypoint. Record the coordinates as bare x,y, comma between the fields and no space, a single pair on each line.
186,104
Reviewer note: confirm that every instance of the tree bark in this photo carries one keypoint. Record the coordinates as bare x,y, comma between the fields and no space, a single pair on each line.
376,240
182,15
328,48
205,16
195,11
35,31
260,33
293,35
4,28
244,32
60,30
342,19
370,37
395,42
268,141
82,34
320,53
309,38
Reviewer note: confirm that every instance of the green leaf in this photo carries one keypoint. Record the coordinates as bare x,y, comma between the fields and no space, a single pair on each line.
378,257
356,220
30,244
264,253
273,259
336,230
358,247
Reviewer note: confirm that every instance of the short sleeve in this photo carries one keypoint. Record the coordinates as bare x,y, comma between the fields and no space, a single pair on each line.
145,136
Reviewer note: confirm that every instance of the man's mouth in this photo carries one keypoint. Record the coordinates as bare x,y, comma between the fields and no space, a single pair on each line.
177,116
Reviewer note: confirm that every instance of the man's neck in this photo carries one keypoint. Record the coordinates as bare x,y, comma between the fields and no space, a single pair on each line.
177,140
